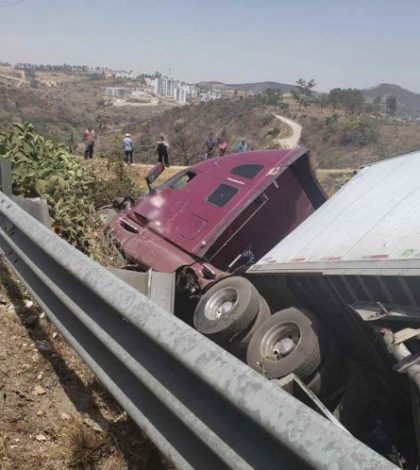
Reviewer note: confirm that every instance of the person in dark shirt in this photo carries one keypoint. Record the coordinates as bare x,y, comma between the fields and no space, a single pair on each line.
211,143
162,150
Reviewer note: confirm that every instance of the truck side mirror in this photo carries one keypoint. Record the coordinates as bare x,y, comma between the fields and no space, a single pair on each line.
153,174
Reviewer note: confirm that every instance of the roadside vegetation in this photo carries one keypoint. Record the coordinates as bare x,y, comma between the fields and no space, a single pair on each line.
73,191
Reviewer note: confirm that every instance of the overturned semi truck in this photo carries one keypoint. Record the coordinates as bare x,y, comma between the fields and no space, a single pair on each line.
330,311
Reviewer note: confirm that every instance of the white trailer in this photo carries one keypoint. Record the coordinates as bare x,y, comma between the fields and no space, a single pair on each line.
351,273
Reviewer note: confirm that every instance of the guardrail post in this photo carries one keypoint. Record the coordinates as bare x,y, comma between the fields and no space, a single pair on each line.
5,176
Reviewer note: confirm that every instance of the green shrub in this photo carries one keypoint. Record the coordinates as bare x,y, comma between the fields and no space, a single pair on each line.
42,168
360,132
331,120
275,131
115,181
266,119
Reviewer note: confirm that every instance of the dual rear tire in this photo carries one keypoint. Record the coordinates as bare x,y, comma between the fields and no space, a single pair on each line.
230,312
293,340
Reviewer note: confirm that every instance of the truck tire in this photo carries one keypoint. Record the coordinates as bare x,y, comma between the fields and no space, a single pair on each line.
289,341
226,309
240,343
329,373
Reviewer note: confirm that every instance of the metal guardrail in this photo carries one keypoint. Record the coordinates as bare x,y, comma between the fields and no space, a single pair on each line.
37,207
202,407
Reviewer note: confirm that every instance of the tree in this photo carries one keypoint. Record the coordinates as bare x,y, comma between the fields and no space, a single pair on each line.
354,101
323,102
360,132
185,142
391,105
351,100
334,98
101,122
272,97
377,105
32,78
302,93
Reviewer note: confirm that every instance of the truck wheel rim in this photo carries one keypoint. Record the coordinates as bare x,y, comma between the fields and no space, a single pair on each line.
221,304
280,341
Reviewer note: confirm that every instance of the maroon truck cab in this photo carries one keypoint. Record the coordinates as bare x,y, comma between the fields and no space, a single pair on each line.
219,215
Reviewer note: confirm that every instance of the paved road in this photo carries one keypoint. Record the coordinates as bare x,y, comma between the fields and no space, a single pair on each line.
293,140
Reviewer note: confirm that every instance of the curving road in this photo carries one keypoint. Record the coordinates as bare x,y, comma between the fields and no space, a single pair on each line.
293,140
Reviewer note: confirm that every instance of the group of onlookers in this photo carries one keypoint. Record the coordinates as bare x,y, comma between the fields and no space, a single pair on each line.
218,147
214,147
162,149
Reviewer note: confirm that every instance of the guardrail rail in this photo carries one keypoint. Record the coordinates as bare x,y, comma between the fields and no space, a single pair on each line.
202,407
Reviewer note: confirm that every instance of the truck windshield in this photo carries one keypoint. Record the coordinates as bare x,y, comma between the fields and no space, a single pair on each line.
222,195
178,181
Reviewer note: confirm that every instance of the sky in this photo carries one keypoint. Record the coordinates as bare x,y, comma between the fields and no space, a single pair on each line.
341,43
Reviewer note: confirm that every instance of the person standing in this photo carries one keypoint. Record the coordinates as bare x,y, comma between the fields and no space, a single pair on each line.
242,146
89,138
128,147
163,150
210,146
223,146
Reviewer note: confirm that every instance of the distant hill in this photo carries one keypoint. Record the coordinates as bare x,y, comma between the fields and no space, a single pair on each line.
408,101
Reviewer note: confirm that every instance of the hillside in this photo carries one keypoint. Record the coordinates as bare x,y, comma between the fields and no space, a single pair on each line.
66,109
350,143
337,140
188,127
408,101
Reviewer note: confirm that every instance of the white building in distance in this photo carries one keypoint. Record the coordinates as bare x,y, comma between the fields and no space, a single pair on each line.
117,92
180,91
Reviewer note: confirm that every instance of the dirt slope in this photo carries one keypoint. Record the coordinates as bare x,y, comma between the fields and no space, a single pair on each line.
54,414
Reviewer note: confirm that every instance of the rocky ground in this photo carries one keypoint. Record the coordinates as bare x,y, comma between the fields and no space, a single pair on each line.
54,413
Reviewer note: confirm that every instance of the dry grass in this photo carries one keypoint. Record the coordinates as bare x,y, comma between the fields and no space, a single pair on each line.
332,180
136,172
85,445
4,452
